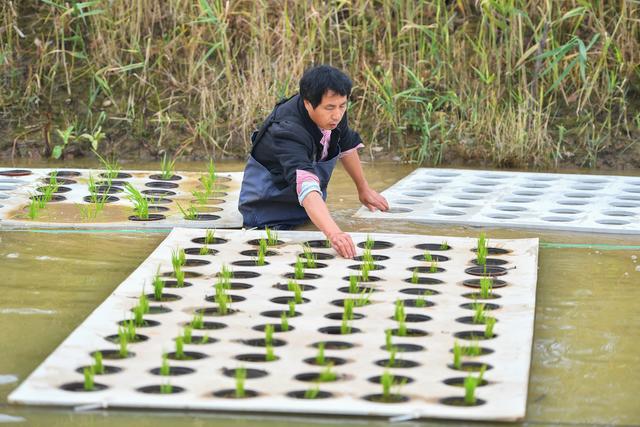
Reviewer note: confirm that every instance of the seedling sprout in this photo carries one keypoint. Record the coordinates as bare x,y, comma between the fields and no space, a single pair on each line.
140,202
345,328
268,334
482,250
470,385
209,237
327,374
478,314
353,284
165,369
123,350
486,287
284,322
292,308
178,258
204,250
272,237
312,393
457,355
167,167
364,271
241,375
97,367
180,347
444,245
347,309
198,320
222,299
143,303
88,379
387,340
158,287
297,291
488,328
320,359
190,213
472,350
387,381
427,256
368,244
261,257
269,355
363,298
415,278
262,245
187,334
310,257
299,269
166,388
433,268
399,314
392,357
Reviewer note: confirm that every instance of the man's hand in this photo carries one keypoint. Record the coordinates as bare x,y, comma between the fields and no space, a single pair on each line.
373,200
343,244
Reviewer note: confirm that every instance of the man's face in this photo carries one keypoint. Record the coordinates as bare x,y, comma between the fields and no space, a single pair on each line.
329,112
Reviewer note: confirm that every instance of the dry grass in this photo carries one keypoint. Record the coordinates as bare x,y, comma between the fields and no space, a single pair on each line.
512,82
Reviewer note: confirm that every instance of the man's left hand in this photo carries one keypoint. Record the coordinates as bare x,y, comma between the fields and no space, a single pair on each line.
373,200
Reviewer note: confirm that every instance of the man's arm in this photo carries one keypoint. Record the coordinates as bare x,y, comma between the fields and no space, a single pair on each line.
368,197
319,213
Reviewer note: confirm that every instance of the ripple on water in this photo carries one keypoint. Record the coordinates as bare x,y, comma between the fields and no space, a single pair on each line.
8,379
25,310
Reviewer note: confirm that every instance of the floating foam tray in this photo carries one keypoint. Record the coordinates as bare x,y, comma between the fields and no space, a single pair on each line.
590,203
424,360
18,185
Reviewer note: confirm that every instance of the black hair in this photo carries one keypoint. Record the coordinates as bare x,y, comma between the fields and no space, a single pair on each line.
316,81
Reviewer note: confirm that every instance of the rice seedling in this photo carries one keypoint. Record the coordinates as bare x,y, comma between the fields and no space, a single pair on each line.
402,328
292,308
470,385
427,256
34,206
345,328
444,245
415,278
165,369
488,327
298,269
327,243
223,300
272,237
158,287
261,257
399,313
123,349
482,249
268,334
472,349
128,330
110,166
198,320
262,245
284,322
367,257
138,316
392,357
179,352
320,358
388,337
178,258
364,271
486,287
479,314
190,213
139,201
457,355
353,284
201,197
312,393
187,334
166,167
269,355
166,388
98,366
210,237
364,298
369,242
211,171
294,287
433,268
347,309
327,374
204,250
88,379
309,256
240,377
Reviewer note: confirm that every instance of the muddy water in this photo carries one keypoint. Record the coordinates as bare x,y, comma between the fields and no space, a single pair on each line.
587,331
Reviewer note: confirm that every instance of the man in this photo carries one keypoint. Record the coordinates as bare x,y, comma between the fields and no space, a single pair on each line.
293,156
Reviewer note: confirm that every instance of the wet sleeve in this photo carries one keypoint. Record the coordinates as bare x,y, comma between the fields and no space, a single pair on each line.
293,148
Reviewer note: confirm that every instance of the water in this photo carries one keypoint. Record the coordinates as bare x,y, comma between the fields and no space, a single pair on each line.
587,330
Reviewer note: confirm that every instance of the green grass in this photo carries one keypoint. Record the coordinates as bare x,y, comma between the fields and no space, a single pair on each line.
88,379
479,315
482,250
311,393
198,320
298,269
470,385
268,334
167,167
327,374
272,237
240,377
490,81
189,213
284,322
179,347
488,327
309,256
210,237
353,284
457,355
139,201
98,366
165,369
320,357
486,287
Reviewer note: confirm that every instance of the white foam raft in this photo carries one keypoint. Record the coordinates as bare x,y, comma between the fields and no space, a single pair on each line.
64,211
256,289
586,203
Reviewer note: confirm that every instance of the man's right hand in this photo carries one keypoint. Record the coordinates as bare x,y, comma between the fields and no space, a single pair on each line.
343,244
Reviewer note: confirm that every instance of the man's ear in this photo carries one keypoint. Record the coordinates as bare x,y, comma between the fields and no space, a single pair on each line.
308,105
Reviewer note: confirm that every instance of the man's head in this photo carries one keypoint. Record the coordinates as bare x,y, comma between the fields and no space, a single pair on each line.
325,91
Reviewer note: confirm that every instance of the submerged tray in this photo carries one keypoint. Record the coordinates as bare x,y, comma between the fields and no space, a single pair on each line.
589,203
423,359
17,186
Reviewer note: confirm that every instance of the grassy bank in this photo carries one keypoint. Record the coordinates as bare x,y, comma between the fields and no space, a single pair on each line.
502,82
